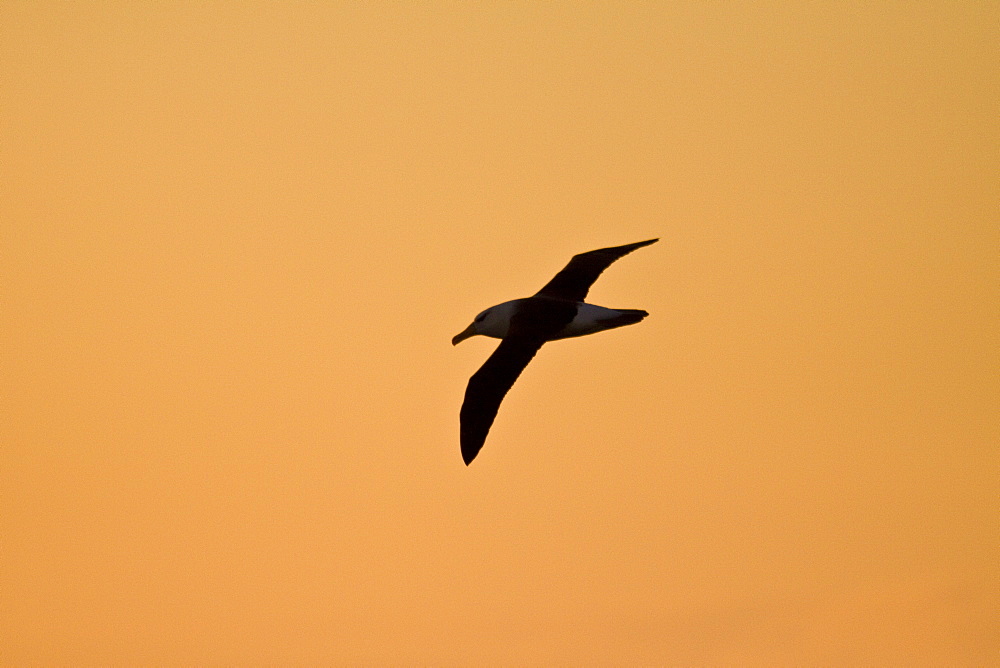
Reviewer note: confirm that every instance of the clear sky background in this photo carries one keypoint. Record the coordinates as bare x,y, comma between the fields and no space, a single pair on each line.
237,238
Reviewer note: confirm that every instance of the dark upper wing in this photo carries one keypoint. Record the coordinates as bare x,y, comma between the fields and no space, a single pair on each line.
575,279
530,328
487,388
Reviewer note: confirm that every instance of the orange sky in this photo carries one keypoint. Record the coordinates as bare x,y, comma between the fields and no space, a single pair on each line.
237,238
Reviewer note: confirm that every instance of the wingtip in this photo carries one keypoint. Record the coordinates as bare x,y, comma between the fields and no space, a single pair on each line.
639,244
469,451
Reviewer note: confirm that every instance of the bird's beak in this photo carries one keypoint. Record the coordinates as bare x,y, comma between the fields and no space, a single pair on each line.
466,333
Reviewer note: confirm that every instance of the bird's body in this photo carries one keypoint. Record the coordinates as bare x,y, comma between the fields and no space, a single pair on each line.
587,318
557,311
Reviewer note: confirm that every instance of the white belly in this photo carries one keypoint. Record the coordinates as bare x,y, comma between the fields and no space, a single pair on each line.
589,319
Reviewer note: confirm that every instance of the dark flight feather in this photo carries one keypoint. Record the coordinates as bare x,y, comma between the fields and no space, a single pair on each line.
574,281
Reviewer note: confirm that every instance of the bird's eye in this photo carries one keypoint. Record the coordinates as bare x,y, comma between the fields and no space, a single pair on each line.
480,317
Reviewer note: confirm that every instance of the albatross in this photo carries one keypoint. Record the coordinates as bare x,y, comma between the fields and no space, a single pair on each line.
557,311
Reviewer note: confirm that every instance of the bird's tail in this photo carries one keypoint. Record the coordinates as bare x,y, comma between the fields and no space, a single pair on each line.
626,316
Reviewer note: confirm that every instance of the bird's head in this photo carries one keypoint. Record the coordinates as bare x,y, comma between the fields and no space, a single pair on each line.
493,322
471,330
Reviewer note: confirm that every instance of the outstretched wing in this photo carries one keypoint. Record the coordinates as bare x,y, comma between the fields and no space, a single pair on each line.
488,387
533,325
575,279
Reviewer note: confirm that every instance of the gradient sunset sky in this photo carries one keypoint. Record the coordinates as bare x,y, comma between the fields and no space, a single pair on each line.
236,239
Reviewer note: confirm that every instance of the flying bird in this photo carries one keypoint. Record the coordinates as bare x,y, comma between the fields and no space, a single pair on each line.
557,311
